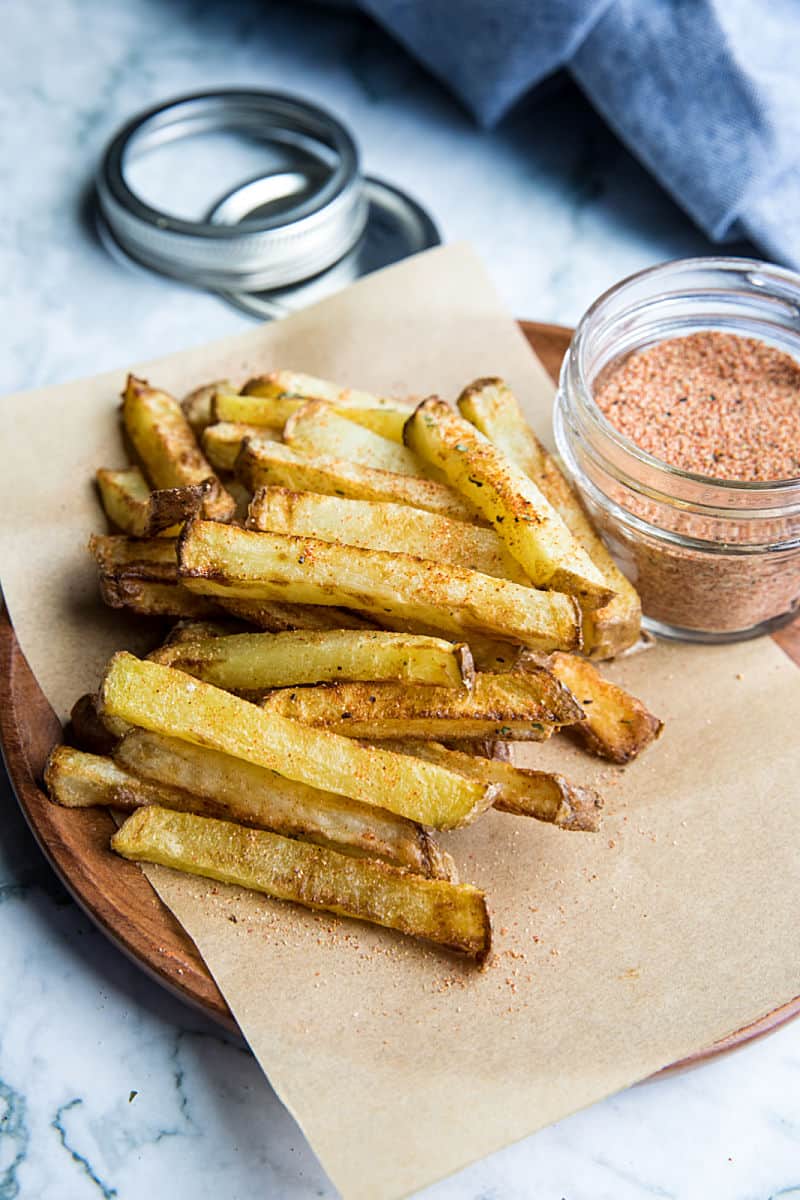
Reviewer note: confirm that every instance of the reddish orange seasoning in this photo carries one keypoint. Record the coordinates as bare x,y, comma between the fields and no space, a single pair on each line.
713,403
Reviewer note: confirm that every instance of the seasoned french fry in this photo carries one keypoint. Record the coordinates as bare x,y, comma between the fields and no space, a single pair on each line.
616,725
493,408
262,463
393,527
287,385
151,599
87,729
197,404
135,558
223,560
167,447
267,413
191,779
524,707
260,797
222,442
450,914
275,617
502,493
256,662
523,792
316,430
166,701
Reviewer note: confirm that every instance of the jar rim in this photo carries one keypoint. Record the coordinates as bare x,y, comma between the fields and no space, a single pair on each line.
575,357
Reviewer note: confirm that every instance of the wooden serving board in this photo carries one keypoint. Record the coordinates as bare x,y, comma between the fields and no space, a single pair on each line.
113,891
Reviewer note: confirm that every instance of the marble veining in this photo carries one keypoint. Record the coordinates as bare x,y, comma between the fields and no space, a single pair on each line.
110,1087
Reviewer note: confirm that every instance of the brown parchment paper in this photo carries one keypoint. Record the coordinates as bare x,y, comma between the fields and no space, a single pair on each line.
615,954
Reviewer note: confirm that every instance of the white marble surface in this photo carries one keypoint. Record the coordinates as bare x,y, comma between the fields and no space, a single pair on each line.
109,1087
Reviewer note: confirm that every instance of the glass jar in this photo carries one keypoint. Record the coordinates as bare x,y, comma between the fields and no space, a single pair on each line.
713,560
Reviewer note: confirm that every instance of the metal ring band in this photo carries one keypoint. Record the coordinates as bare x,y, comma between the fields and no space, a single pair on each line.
267,252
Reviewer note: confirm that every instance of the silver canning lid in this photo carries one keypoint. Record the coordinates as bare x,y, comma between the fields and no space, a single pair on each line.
280,246
396,227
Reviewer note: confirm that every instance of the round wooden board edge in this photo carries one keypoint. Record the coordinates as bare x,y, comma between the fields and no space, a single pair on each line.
156,941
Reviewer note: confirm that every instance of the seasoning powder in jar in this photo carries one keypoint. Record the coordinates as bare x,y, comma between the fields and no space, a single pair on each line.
678,418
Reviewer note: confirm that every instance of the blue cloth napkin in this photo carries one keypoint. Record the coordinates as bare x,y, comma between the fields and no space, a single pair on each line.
706,93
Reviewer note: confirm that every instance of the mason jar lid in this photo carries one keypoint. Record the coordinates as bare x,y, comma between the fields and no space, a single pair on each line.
320,217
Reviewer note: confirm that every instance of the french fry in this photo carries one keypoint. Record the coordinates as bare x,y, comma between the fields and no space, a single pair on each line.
316,430
223,560
255,662
525,793
164,441
135,558
214,785
223,441
493,408
166,701
275,617
262,463
151,599
449,914
197,404
396,528
286,385
193,631
260,797
504,495
616,725
523,707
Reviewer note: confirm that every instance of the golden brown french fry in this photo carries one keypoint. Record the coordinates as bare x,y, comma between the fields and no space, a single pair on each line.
168,450
260,797
255,662
504,495
87,729
494,409
150,770
523,792
316,430
374,526
166,701
152,599
616,725
287,385
526,707
262,464
275,617
223,441
197,404
451,914
135,558
223,560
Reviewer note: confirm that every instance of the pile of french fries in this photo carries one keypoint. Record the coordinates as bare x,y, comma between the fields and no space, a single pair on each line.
372,601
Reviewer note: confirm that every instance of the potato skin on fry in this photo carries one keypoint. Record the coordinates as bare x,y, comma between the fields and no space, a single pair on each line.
491,407
452,915
225,561
616,725
500,492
